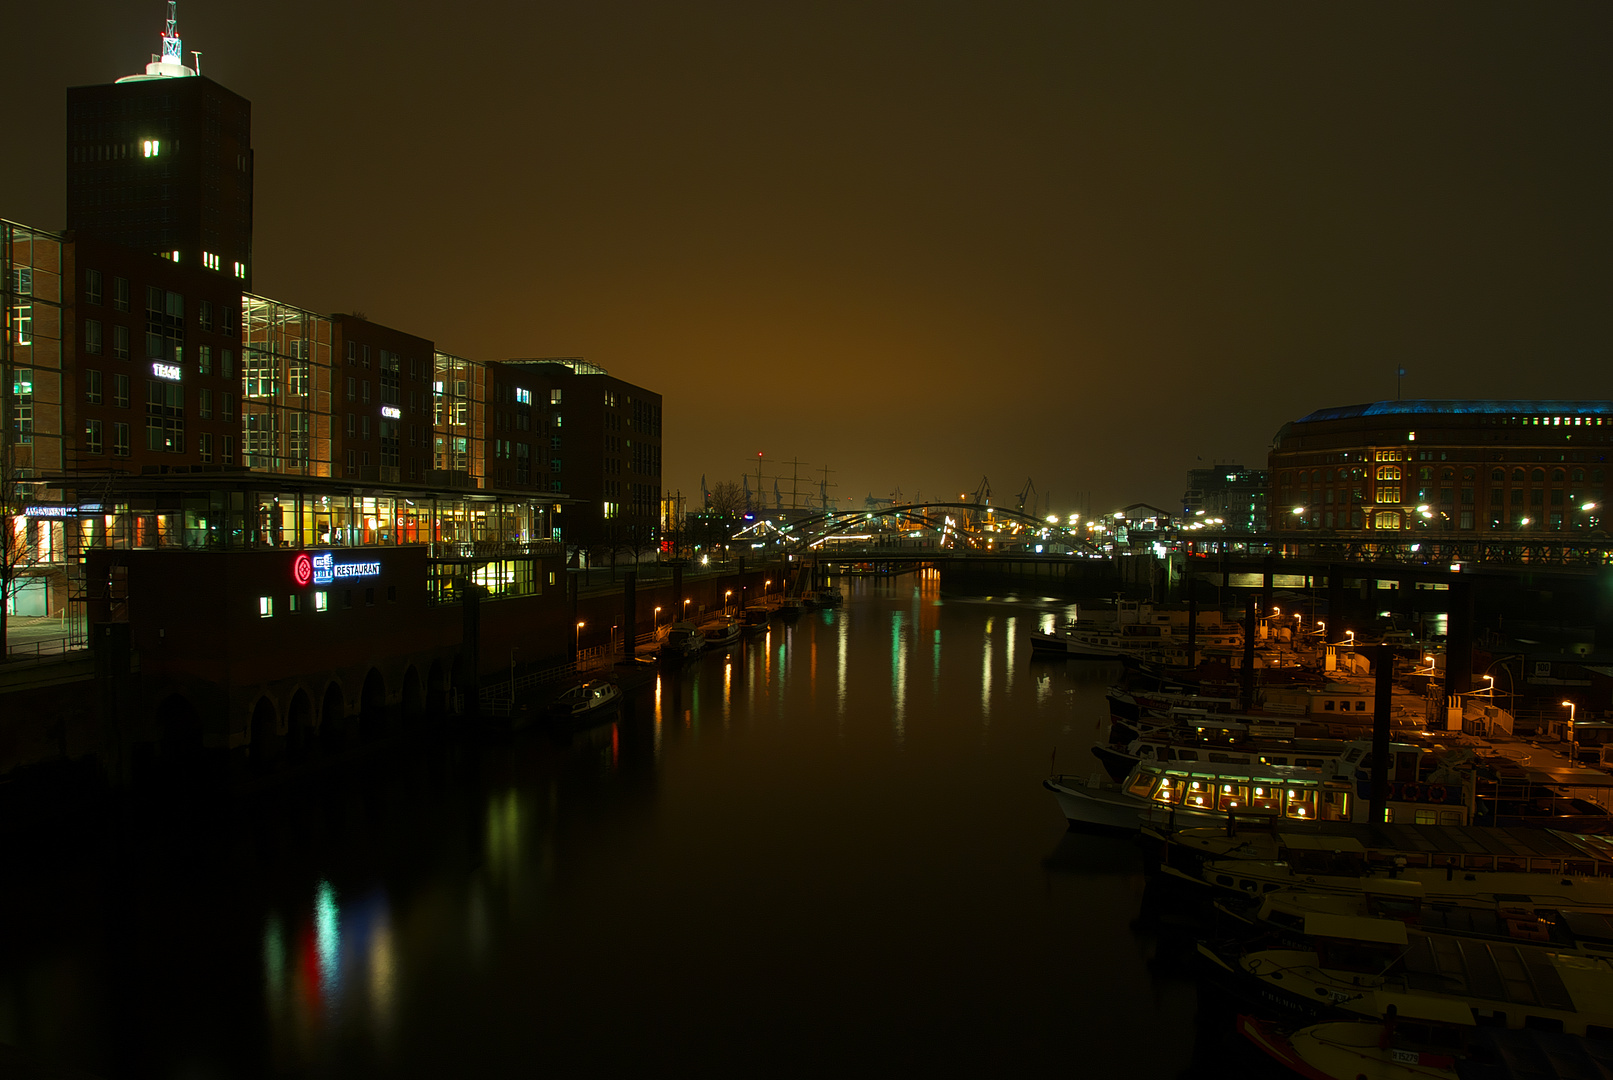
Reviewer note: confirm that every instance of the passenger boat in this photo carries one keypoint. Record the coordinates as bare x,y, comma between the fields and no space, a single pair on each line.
1366,968
829,596
790,607
1457,1046
1294,916
753,620
1530,870
682,640
721,631
1064,645
1187,793
586,702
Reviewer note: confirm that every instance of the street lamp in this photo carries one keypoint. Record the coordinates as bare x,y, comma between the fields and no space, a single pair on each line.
685,613
655,622
725,597
1573,744
577,645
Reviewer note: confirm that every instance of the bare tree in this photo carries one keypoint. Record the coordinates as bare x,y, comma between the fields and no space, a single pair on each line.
727,499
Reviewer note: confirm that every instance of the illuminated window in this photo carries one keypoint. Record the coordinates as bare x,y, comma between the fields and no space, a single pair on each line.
554,397
265,607
293,604
92,436
523,397
1387,519
151,147
321,601
1389,472
1389,496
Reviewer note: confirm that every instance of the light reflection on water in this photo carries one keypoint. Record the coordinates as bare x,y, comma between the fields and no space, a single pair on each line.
729,867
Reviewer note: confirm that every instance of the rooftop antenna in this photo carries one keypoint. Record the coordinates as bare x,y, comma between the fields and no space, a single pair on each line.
173,50
1400,373
197,53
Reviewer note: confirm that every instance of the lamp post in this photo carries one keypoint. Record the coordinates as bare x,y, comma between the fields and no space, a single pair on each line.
726,594
1573,744
685,613
655,621
577,644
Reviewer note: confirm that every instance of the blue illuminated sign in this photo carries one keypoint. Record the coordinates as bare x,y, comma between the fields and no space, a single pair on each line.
327,569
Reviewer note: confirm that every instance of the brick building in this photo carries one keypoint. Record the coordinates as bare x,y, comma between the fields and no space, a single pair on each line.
1511,467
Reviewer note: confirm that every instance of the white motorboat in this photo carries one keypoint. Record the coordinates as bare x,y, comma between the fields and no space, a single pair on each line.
586,702
721,631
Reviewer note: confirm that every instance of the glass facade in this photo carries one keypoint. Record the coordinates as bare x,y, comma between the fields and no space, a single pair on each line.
459,420
31,422
286,383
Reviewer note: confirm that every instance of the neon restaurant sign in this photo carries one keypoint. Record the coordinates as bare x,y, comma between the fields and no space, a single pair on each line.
321,568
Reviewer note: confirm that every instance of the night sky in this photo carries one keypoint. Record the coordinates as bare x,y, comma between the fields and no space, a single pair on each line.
920,243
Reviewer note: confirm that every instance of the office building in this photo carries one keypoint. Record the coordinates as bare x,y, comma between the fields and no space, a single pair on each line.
1231,493
161,162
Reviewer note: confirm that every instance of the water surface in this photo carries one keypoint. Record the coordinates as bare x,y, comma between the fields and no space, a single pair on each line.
826,852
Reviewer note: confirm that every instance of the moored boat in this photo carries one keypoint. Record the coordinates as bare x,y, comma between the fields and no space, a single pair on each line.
585,703
721,631
682,640
753,620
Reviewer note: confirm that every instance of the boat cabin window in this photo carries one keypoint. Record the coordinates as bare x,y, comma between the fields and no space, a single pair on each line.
1267,798
1414,860
1352,755
1142,785
1307,763
1478,862
1300,803
1450,817
1511,864
1170,790
1543,1023
1274,761
1335,806
1546,866
1405,769
1580,868
1199,794
1230,797
1187,755
1425,817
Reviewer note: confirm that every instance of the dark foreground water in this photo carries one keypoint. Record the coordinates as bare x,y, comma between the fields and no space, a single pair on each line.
829,854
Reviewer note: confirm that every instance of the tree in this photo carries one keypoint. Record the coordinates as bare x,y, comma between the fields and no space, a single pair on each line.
727,499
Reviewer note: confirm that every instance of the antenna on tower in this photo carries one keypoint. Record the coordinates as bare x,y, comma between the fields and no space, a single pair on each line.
197,53
173,50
